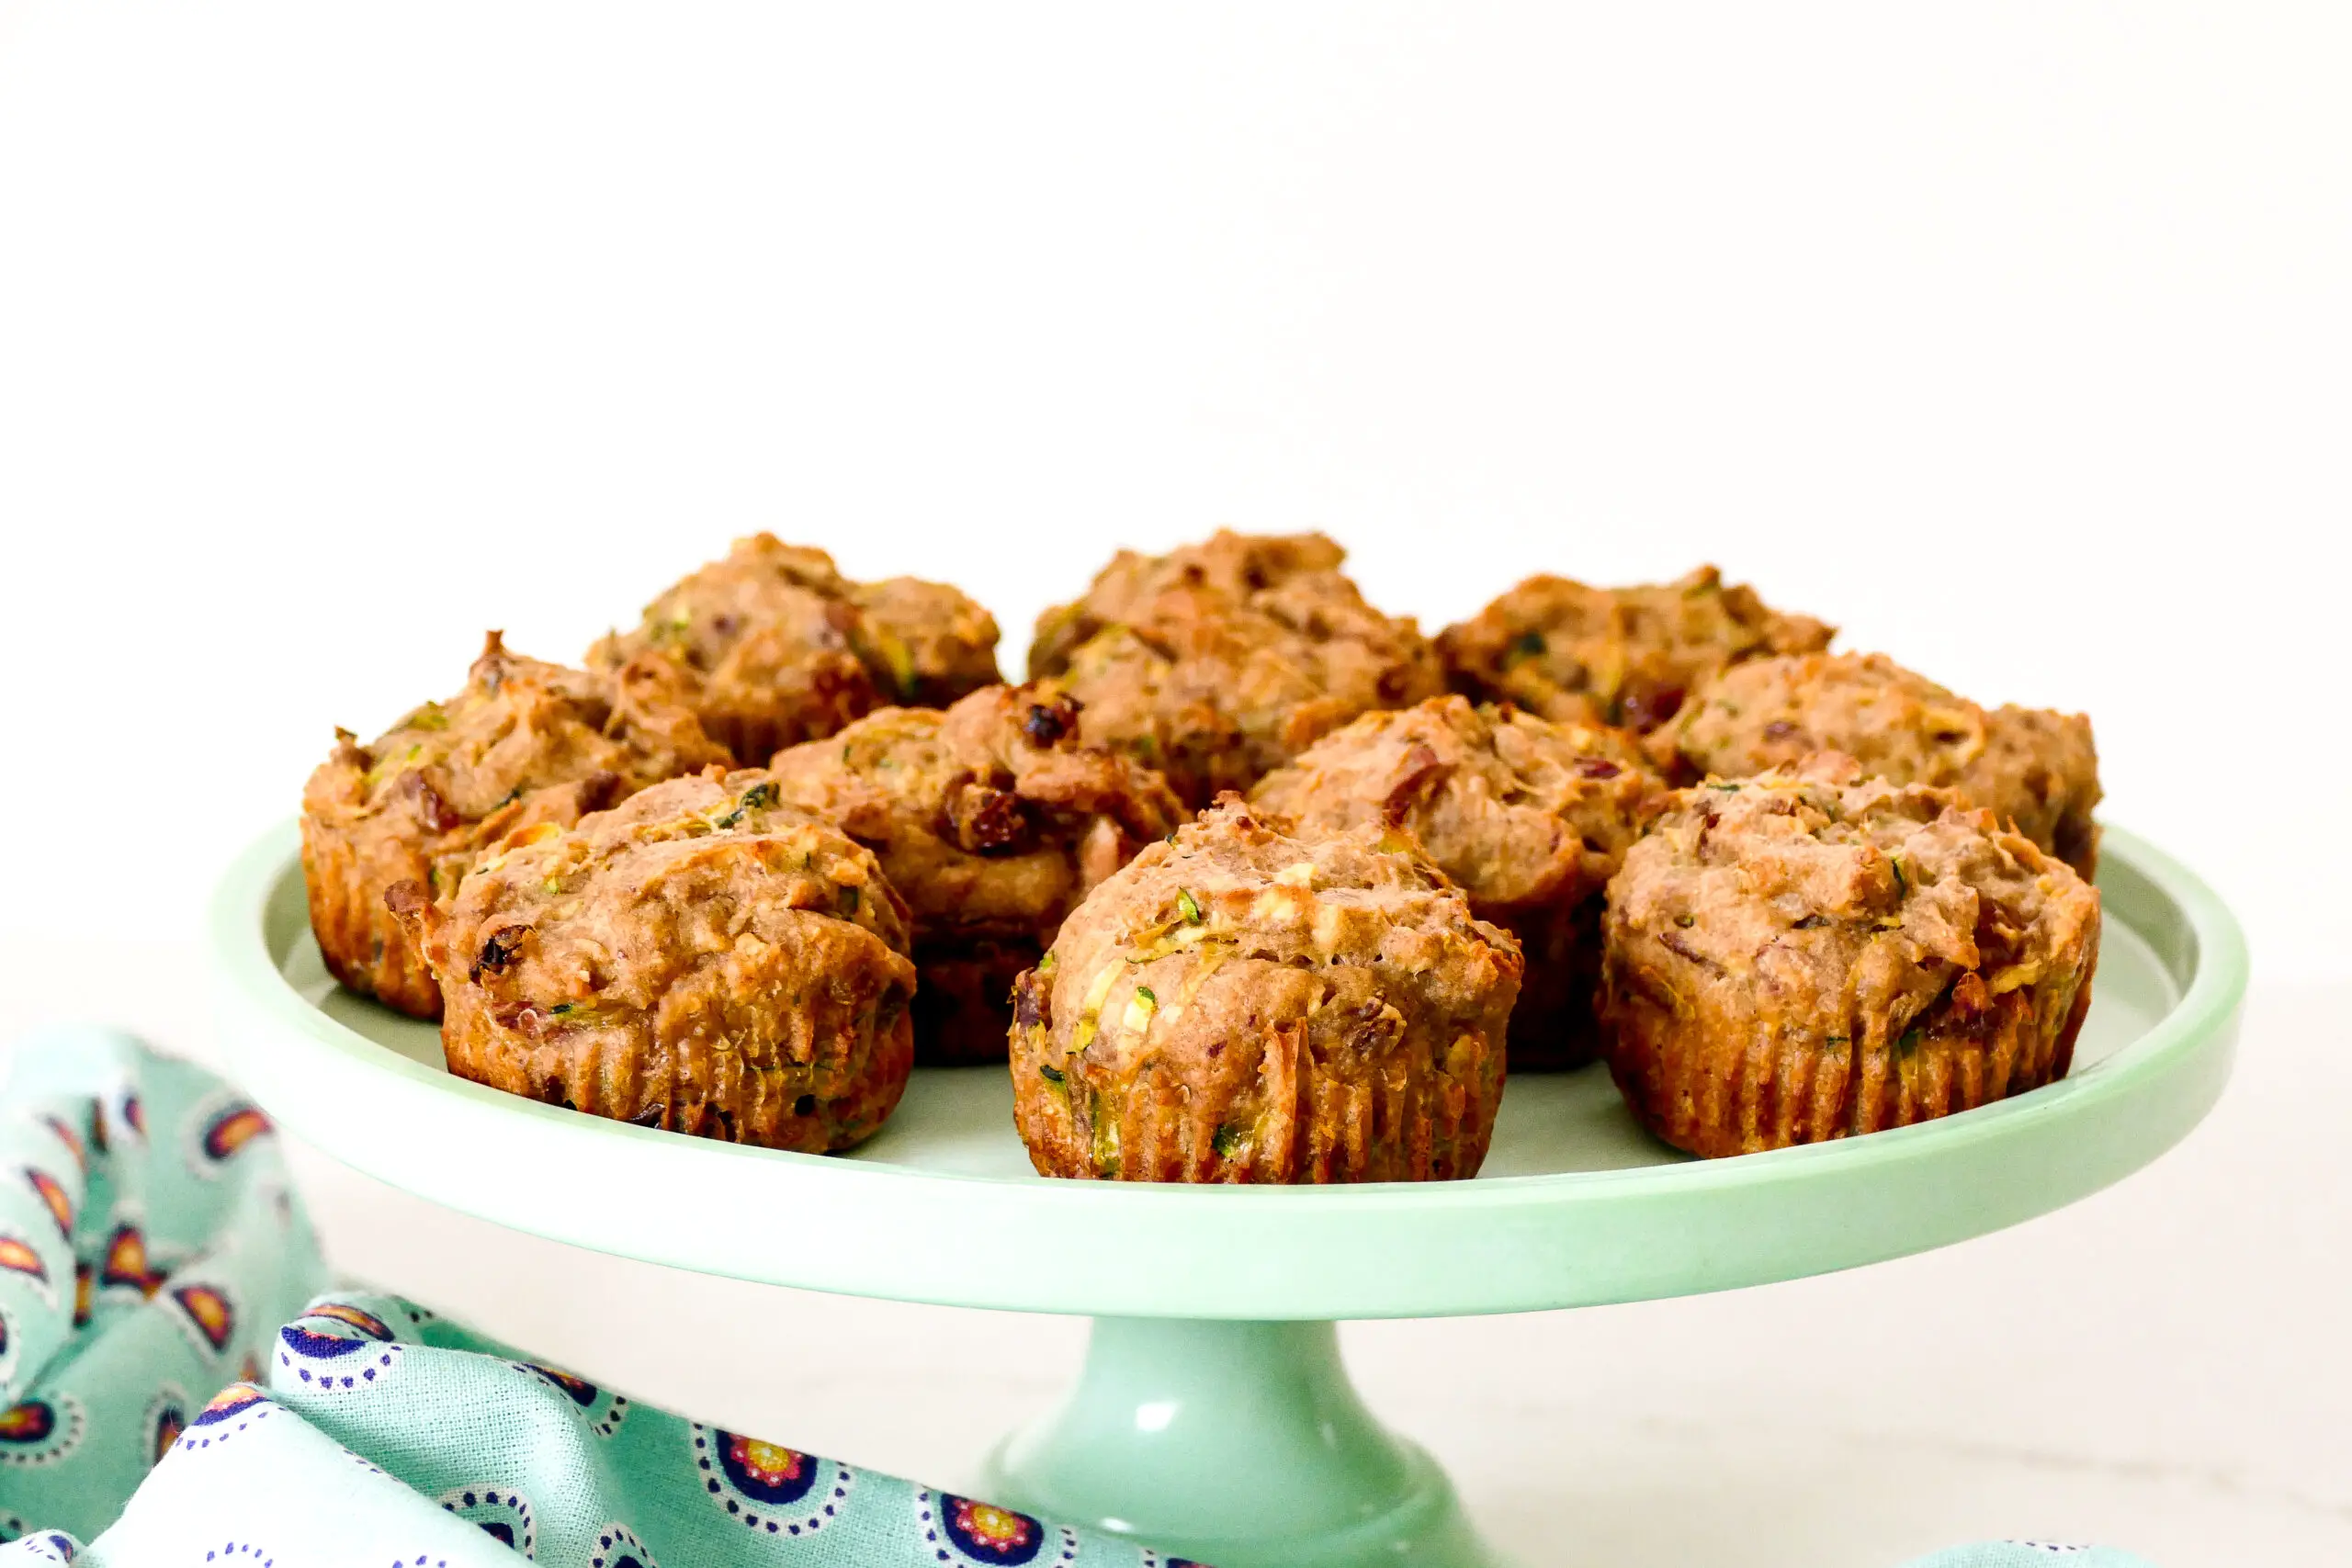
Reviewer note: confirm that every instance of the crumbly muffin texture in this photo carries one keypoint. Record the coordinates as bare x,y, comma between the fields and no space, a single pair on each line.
524,743
1619,656
1802,956
1531,818
776,646
992,820
1241,1005
1222,660
1227,565
702,958
929,644
2036,768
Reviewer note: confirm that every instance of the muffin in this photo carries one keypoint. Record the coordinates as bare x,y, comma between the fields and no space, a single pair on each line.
702,958
2034,768
524,743
1222,660
934,644
1809,955
1620,656
776,646
1531,818
1228,565
992,822
1241,1005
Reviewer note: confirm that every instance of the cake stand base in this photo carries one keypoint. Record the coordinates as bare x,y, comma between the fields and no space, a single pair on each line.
1241,1445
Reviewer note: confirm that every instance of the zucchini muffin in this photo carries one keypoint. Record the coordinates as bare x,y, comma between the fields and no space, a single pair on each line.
992,822
702,958
1802,956
1222,660
524,743
1241,1005
1229,565
932,644
776,646
2034,768
1620,656
1531,818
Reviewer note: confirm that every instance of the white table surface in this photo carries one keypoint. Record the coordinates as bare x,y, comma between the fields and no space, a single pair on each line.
2161,1367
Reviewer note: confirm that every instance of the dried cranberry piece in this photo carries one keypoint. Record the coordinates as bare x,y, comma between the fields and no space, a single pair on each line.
1645,706
498,952
1048,722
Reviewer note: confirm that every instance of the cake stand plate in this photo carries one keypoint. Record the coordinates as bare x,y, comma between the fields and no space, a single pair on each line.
1214,1417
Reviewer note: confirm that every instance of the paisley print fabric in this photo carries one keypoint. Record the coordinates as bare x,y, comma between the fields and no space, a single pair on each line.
963,1532
148,1245
460,1452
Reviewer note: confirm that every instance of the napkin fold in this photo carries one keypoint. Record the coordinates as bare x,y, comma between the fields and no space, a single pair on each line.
383,1434
150,1245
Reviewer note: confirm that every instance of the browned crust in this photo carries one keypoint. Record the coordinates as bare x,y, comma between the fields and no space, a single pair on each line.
2030,767
1531,818
1222,661
1226,566
774,647
1242,1006
927,644
702,959
1617,656
1803,957
523,743
993,819
365,949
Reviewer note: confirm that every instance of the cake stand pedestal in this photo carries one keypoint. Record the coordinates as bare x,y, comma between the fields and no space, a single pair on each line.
1239,1444
1214,1420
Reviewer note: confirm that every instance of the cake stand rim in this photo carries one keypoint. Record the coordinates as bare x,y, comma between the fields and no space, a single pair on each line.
1109,1248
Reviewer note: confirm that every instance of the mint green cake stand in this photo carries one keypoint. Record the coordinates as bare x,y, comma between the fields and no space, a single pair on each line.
1214,1417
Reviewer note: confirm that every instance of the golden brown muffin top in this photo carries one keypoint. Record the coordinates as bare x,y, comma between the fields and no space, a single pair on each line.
1843,904
936,643
590,928
1519,811
2035,768
990,816
492,757
1235,885
767,605
761,582
1228,565
1622,656
1184,967
1230,658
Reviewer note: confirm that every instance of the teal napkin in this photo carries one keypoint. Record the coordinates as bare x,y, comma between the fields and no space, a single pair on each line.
383,1434
150,1245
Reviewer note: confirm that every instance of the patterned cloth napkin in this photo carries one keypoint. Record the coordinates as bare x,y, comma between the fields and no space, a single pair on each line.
387,1436
150,1249
150,1246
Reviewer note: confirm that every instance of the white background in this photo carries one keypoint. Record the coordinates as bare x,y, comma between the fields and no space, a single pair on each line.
2014,338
